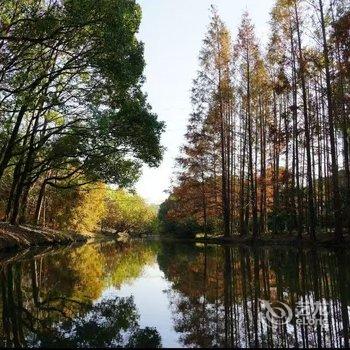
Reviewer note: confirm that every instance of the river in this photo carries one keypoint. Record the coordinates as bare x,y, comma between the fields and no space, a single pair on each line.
153,294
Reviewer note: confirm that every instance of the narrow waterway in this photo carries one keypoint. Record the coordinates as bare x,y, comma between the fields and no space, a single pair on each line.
175,295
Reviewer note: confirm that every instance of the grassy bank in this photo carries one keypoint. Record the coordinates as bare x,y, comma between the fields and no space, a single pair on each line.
28,236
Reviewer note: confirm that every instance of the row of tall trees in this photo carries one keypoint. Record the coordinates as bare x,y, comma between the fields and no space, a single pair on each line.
71,107
267,144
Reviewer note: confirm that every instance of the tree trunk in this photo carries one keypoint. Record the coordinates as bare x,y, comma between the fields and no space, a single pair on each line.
6,156
311,207
335,180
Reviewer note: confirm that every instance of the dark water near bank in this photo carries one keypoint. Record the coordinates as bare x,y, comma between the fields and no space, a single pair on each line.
171,294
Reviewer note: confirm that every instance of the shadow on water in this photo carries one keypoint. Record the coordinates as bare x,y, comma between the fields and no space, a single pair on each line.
219,296
219,293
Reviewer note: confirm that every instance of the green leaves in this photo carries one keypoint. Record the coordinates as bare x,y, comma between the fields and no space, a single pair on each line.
75,68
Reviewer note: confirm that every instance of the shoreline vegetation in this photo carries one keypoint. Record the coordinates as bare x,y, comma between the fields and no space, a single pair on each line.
93,214
20,238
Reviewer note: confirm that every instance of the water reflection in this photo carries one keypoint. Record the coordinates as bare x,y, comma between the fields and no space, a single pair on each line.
217,302
90,296
49,300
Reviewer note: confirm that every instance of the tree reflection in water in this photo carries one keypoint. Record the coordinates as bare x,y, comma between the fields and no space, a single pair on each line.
216,292
49,301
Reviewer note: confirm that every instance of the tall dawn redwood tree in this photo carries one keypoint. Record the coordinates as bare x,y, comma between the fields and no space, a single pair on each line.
247,57
215,72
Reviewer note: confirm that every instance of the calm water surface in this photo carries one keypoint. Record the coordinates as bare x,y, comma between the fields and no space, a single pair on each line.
175,295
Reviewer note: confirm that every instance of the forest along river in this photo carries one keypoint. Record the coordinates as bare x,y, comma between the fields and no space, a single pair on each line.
171,294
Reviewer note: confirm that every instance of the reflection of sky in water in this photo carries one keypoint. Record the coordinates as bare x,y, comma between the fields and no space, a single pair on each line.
186,295
151,300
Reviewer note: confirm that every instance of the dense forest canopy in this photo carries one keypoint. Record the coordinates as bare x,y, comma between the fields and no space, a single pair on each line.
267,143
72,112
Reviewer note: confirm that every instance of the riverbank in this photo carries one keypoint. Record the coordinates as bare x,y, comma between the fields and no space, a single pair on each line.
21,237
27,236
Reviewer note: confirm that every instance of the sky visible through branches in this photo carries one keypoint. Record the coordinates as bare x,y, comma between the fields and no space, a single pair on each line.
172,32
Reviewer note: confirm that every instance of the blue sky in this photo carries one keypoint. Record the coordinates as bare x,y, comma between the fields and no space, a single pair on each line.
172,31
